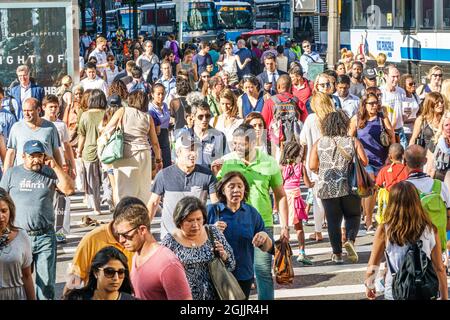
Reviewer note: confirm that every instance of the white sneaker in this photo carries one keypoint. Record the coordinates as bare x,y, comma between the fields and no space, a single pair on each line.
351,251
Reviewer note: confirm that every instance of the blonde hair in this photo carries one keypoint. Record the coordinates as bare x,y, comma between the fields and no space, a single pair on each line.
432,70
345,53
65,81
322,105
445,91
100,40
381,59
316,82
229,95
445,116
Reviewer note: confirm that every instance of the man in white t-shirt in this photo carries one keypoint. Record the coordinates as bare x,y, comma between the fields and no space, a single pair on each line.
100,54
93,81
392,97
415,158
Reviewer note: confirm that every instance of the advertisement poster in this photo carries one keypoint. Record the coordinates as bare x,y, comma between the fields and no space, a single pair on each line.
372,42
39,35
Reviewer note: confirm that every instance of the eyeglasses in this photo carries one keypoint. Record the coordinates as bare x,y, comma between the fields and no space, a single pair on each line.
324,85
439,75
372,103
126,234
111,272
204,116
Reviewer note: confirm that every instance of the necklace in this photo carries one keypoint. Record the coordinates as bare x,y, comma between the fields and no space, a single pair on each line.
4,238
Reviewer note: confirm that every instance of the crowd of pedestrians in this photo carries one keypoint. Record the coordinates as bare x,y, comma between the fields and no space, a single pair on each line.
218,139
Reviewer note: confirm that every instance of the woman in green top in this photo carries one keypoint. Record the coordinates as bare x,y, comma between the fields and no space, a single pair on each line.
190,67
88,133
212,94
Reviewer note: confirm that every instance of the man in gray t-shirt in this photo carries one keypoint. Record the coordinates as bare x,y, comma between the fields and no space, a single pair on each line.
32,127
182,179
32,187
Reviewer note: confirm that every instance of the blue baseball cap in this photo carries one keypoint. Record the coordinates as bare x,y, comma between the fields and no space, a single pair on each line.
33,146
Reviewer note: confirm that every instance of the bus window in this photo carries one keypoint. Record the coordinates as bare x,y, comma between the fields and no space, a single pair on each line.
346,15
446,14
373,14
201,17
405,14
427,9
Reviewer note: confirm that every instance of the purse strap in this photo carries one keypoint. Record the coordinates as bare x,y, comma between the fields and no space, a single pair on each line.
119,123
212,239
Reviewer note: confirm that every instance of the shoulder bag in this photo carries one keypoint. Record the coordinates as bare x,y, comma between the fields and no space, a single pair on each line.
113,149
282,266
359,180
420,140
226,285
384,136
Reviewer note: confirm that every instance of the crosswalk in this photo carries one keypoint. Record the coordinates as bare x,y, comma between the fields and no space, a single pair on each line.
322,280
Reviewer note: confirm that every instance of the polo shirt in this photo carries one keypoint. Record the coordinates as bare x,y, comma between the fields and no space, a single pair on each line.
174,184
349,104
211,147
92,243
262,175
242,226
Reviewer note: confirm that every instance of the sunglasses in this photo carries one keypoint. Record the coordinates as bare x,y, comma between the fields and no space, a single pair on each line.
411,84
126,234
111,272
373,103
439,75
204,116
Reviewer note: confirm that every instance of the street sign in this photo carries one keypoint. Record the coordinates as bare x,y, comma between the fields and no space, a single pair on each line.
305,6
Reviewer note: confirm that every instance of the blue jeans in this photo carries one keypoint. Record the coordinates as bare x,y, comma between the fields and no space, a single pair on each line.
263,272
403,139
44,263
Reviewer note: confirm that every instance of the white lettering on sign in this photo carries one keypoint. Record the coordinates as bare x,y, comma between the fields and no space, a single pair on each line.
59,59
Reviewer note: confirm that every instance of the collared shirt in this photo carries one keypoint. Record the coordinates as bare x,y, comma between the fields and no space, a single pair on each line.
7,120
212,147
242,226
170,85
349,104
262,175
25,93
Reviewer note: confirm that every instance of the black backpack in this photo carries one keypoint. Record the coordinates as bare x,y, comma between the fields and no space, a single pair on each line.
416,278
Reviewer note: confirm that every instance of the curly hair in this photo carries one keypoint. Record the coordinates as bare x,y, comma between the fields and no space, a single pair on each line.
119,88
335,124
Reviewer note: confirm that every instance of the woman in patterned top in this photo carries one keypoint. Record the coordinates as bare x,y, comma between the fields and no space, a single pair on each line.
331,157
191,244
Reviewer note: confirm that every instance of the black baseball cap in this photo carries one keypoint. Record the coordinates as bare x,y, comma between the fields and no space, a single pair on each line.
370,73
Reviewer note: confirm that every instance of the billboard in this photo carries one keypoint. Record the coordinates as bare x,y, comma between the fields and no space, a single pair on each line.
372,42
305,6
40,34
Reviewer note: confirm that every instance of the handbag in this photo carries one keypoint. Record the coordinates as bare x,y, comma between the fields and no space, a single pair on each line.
384,137
226,285
420,140
113,149
282,266
359,180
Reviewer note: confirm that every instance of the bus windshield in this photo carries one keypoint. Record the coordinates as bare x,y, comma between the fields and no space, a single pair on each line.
201,17
235,17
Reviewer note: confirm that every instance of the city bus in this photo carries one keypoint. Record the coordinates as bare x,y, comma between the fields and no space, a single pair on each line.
200,22
273,14
235,18
121,17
